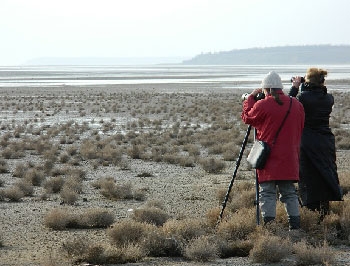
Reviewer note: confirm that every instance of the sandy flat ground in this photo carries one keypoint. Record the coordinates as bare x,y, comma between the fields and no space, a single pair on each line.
28,242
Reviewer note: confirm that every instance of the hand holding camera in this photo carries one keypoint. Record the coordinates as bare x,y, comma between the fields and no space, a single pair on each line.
258,95
296,81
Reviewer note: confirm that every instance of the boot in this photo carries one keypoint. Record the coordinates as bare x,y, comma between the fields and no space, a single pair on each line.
268,219
294,222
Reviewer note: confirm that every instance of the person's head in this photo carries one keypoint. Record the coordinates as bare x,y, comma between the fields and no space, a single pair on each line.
271,84
315,76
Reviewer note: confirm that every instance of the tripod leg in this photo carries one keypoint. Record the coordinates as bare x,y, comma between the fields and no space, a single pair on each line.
257,203
234,173
257,199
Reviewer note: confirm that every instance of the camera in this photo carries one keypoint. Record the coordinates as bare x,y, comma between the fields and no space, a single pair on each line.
302,79
257,97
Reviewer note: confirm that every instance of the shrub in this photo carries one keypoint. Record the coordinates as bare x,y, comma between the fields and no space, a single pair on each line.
309,220
212,165
13,193
88,149
239,225
35,176
81,250
111,154
26,187
136,151
69,195
186,229
212,216
20,170
112,191
150,215
155,203
345,221
127,231
332,229
236,248
187,161
3,166
60,219
269,249
57,219
64,158
202,249
133,253
73,183
310,255
344,180
242,199
157,244
96,218
54,185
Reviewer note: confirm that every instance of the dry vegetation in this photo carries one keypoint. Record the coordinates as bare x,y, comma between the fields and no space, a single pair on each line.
118,176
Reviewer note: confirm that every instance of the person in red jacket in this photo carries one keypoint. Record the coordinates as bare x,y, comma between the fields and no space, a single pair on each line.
281,170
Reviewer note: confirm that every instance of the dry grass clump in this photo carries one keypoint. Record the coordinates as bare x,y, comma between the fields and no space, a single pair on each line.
3,166
113,191
309,220
61,219
342,137
69,195
157,244
238,226
58,219
97,218
269,248
307,254
202,249
13,193
25,186
186,229
54,184
20,170
35,176
81,250
345,222
128,232
212,165
241,199
344,180
150,215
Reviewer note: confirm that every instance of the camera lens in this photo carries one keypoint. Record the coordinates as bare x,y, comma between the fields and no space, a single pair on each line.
259,96
302,79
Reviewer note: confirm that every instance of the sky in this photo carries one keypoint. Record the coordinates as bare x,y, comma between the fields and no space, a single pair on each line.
164,28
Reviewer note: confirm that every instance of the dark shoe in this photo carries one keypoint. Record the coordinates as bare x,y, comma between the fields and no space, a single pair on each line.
268,220
294,222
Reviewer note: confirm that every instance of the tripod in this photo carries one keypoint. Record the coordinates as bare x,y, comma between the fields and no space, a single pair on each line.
238,162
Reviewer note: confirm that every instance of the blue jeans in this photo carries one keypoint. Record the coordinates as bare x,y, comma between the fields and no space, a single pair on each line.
287,195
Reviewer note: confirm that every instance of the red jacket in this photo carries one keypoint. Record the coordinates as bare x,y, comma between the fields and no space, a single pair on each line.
266,116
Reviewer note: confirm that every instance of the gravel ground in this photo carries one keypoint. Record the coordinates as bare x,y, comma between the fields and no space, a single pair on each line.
184,191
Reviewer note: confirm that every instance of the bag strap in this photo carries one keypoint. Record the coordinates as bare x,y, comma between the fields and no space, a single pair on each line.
284,119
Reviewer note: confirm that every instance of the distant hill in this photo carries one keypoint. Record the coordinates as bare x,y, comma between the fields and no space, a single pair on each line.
283,55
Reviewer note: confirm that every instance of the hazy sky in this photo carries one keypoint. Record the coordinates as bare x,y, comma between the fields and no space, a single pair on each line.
164,28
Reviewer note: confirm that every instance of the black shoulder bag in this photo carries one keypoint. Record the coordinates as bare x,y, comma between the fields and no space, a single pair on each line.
260,151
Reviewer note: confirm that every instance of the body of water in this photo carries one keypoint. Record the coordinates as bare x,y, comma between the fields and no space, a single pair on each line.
229,76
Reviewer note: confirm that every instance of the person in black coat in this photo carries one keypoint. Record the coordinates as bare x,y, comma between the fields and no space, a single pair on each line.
319,183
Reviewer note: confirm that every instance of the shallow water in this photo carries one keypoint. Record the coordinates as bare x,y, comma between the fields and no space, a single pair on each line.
228,76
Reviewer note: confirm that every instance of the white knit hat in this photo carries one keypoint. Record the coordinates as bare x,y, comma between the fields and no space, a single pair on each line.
272,80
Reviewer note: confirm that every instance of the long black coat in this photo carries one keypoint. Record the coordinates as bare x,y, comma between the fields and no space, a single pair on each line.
318,169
